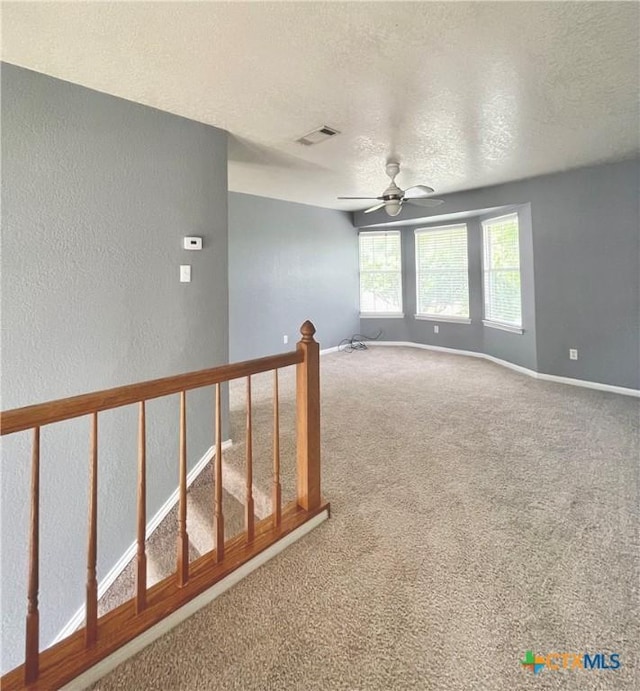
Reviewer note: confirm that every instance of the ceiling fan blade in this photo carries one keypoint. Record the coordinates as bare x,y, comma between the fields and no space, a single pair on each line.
418,191
358,197
374,208
425,202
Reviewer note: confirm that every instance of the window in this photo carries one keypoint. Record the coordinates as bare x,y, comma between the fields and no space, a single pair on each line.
442,273
380,274
502,299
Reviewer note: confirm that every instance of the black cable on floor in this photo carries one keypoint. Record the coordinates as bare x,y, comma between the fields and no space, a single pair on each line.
357,342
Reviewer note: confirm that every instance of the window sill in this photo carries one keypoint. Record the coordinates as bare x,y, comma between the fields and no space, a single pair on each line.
503,327
450,320
381,315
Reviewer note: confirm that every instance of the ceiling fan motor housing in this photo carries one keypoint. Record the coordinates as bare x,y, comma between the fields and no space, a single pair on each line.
392,192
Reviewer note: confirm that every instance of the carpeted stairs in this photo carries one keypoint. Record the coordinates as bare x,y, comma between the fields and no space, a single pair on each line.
161,546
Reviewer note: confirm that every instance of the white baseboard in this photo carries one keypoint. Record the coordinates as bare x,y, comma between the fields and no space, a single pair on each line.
150,635
78,618
517,368
588,384
326,351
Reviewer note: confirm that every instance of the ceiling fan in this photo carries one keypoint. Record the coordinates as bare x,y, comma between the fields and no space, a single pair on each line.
393,197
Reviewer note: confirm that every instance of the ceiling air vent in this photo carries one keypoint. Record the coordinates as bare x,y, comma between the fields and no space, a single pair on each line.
317,136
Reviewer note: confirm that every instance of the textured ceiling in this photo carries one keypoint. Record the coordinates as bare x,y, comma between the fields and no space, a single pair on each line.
463,94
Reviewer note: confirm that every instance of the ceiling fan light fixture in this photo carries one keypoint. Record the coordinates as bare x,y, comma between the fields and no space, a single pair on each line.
393,197
392,207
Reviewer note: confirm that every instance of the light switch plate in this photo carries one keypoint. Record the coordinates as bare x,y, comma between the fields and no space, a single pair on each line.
185,273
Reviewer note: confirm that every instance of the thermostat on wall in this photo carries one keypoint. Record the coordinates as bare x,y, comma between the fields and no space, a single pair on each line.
192,243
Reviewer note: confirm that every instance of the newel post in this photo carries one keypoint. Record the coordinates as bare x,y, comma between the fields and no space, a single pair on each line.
308,419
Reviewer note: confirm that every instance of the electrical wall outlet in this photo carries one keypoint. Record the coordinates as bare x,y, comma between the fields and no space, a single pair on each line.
573,353
436,329
285,339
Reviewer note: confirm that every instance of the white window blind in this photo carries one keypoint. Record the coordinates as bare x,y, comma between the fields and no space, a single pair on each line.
442,272
380,273
502,298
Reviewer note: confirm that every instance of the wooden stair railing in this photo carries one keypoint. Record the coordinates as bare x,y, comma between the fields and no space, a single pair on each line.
101,636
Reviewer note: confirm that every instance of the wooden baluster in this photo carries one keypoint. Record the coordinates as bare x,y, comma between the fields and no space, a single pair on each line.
91,627
32,642
218,518
276,491
183,537
308,419
141,556
249,507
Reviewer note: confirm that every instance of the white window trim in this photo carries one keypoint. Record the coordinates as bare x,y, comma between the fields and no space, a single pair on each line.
384,315
494,219
442,318
503,327
390,231
381,315
512,328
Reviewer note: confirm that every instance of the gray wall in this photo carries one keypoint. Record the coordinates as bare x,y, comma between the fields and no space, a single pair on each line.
287,263
586,246
97,193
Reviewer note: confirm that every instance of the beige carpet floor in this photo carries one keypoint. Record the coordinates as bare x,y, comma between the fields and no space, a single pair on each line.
476,514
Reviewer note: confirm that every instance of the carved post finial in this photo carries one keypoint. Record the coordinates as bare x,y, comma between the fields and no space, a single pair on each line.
307,330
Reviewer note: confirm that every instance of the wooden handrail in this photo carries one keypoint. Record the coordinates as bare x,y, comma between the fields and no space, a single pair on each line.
65,660
20,419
